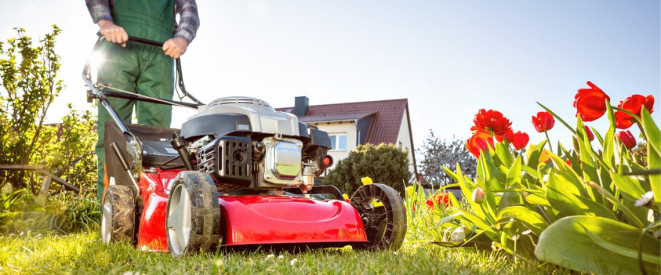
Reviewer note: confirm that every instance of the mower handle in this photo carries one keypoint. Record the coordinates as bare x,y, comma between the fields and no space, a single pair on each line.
146,41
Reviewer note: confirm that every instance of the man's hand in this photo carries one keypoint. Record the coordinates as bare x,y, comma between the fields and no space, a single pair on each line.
175,47
112,32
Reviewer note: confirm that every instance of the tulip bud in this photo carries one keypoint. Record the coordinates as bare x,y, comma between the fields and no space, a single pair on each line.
458,235
478,195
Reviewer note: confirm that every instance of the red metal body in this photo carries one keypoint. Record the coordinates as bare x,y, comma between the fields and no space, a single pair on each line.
254,219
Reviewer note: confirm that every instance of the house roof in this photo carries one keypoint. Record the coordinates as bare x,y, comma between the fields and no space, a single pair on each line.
386,121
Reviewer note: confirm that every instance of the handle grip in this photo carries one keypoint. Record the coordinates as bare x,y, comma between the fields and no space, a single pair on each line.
146,41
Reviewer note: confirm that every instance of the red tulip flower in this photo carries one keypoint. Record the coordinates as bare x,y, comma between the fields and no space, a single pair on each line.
479,142
589,133
440,199
520,140
590,102
491,121
508,136
543,121
635,105
627,138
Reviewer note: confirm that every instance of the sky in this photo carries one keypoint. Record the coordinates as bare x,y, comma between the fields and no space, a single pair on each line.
448,58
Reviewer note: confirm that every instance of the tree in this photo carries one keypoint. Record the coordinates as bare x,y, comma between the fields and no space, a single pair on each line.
29,86
384,163
437,153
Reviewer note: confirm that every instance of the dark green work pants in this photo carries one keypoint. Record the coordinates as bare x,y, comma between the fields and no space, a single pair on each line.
137,68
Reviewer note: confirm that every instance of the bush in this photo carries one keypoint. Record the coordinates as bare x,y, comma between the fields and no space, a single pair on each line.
29,78
384,163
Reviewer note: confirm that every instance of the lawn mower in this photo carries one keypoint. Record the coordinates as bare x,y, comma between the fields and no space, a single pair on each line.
236,174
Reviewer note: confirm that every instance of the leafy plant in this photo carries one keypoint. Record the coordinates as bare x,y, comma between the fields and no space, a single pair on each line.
591,211
29,78
384,163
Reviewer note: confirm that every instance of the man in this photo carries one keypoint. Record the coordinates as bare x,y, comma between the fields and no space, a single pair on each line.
139,68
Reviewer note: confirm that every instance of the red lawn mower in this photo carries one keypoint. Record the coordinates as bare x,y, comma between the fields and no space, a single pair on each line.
237,174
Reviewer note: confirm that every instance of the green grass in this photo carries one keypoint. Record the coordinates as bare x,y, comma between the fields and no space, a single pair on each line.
84,253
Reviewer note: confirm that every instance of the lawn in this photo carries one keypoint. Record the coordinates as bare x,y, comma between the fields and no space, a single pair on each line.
85,253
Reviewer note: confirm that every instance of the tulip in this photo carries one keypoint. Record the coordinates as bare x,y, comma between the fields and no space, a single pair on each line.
590,102
633,104
479,142
478,195
543,121
520,140
627,138
589,133
491,121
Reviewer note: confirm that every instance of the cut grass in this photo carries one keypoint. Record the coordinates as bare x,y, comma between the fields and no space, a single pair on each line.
85,253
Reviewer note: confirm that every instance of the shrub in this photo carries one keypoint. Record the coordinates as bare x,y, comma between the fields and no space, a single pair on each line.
384,163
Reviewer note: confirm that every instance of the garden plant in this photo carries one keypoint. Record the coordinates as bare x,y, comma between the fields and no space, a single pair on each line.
592,208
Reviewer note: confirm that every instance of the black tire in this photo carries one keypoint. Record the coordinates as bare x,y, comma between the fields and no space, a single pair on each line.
193,214
385,225
118,215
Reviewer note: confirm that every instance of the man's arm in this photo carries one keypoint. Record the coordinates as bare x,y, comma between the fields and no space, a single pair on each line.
186,30
100,12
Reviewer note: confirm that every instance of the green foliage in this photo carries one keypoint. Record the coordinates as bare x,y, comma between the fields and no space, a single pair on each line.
384,163
599,214
440,153
29,78
61,213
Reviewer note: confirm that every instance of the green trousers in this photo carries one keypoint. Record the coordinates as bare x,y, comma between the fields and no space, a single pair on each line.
137,68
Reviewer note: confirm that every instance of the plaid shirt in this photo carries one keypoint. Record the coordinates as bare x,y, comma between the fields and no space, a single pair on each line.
189,21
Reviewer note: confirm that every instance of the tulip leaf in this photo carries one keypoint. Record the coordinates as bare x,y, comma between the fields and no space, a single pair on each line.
563,196
537,200
533,158
449,172
479,222
510,199
653,152
628,186
597,135
609,141
597,245
503,153
529,218
514,174
530,171
631,216
563,170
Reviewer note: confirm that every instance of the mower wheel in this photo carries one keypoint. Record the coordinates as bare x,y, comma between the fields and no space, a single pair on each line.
384,216
118,215
193,214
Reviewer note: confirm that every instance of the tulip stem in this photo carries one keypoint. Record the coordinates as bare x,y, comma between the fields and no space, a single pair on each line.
548,141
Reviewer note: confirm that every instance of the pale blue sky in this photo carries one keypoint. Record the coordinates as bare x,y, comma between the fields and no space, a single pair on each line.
449,58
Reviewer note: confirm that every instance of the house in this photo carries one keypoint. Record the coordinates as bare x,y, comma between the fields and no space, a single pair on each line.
351,124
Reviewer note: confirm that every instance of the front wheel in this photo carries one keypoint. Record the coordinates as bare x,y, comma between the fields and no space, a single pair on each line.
118,215
193,214
384,216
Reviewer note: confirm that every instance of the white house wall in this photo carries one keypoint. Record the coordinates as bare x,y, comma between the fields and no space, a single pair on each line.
405,138
344,127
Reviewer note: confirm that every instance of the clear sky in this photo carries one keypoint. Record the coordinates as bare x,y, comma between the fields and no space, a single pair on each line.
449,58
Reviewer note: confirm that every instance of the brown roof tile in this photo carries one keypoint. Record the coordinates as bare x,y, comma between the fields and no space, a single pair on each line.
387,119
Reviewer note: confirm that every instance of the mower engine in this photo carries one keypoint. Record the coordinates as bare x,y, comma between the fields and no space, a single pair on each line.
243,142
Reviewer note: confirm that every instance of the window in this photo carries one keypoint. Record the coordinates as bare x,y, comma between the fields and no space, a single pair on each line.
338,141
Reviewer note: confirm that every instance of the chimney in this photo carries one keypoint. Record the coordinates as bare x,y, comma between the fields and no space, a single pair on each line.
301,106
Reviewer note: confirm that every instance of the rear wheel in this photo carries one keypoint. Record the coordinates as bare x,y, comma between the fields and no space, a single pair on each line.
193,214
384,216
118,215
